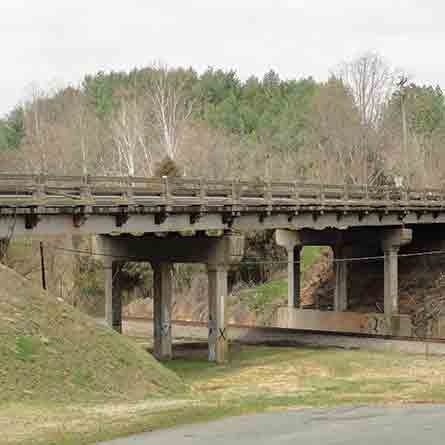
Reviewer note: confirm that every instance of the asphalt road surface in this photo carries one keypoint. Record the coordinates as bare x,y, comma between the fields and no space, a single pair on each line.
406,425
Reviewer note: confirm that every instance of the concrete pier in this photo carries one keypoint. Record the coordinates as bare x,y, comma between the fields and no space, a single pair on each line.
291,242
113,300
216,252
391,273
3,247
341,279
162,307
392,240
218,345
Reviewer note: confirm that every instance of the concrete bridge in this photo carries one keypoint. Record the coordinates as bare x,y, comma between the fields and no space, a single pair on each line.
170,220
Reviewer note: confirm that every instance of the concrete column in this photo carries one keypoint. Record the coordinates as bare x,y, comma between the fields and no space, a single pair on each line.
392,240
218,344
293,276
162,307
391,285
3,248
113,301
341,280
291,242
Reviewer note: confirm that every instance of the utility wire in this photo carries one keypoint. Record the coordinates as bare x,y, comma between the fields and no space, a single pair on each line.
333,260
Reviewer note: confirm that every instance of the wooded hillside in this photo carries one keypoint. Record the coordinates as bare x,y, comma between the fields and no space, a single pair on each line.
349,128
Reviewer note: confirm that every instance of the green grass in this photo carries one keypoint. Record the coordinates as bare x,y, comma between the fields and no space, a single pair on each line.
50,351
309,255
27,348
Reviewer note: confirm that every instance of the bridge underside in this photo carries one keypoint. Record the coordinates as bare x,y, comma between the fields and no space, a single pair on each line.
170,220
371,247
217,253
163,239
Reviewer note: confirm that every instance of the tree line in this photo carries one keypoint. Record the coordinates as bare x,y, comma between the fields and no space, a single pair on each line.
362,125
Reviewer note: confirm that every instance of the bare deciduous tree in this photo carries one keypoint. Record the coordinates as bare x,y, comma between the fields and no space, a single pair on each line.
371,81
129,134
171,108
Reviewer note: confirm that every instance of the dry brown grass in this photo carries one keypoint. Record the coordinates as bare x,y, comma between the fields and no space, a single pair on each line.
256,379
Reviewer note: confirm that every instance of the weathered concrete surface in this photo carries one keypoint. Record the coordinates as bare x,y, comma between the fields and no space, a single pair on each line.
217,313
290,240
347,322
199,332
174,248
113,298
350,425
341,280
218,253
392,240
162,308
282,217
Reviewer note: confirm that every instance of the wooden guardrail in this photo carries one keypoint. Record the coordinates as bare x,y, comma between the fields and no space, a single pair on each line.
197,191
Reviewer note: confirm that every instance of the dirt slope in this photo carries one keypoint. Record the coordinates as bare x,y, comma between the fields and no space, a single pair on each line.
420,276
50,351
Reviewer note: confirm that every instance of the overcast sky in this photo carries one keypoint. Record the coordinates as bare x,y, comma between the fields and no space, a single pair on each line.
55,42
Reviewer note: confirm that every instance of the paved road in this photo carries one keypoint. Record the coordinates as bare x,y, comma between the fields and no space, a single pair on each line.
346,426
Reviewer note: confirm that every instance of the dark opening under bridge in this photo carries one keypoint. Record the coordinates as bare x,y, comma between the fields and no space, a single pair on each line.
201,221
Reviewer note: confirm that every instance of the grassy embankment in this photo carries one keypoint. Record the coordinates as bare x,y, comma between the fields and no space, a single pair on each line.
52,356
256,380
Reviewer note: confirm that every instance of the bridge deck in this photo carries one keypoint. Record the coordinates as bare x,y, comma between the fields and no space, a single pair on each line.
47,205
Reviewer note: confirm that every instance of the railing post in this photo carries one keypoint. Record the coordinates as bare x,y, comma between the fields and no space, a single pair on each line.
202,191
366,192
322,193
129,189
296,191
167,191
85,191
268,192
40,191
404,196
235,192
345,192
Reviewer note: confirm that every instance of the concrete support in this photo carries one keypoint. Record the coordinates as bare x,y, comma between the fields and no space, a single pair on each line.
341,280
391,285
3,248
218,345
162,307
217,252
113,301
293,276
392,240
291,242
